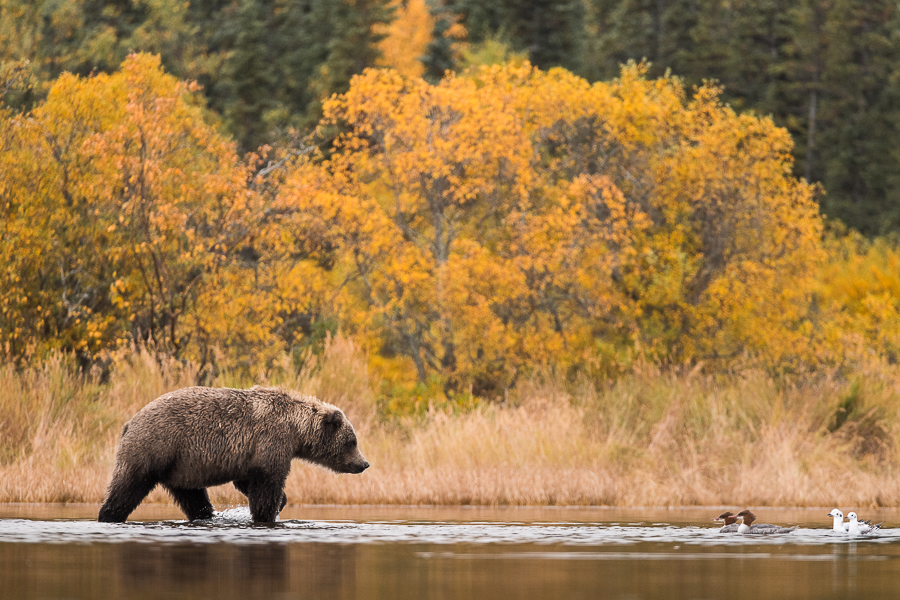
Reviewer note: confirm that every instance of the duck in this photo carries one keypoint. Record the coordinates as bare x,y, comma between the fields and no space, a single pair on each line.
748,527
856,527
839,524
730,520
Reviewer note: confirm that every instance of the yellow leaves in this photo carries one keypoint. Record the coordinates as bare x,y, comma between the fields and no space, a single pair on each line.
514,214
406,38
438,131
858,297
468,231
122,170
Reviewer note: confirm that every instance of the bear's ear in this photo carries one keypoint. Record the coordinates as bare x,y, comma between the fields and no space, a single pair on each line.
333,418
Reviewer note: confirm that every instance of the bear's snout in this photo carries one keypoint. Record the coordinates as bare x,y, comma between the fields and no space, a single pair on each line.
356,464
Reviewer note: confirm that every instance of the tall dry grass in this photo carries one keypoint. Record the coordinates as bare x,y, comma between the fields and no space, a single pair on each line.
650,438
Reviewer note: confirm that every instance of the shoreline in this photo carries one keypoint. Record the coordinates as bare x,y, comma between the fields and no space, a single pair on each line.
698,516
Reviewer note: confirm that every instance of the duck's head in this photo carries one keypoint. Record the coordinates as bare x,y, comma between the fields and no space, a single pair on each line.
747,516
852,516
727,517
836,514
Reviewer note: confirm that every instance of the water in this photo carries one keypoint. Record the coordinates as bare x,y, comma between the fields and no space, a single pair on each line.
399,553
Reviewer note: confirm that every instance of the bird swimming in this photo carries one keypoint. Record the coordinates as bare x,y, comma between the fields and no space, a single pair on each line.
838,523
748,527
856,527
730,521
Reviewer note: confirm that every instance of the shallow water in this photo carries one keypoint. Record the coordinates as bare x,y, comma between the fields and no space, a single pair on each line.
399,553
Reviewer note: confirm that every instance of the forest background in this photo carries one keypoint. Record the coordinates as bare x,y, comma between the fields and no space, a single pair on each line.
573,252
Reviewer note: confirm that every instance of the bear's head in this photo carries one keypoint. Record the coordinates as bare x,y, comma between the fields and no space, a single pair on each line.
336,447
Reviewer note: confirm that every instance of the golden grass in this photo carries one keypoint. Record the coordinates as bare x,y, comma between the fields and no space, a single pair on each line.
650,438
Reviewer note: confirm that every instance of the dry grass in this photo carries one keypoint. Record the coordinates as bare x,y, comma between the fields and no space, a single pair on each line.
648,439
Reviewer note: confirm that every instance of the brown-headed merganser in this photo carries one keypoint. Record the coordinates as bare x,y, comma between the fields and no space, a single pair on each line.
730,520
856,527
747,525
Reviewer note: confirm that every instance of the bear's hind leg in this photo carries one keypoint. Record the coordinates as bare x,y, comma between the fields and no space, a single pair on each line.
126,490
193,502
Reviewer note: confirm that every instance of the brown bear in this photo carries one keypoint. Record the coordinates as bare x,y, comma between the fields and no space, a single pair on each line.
196,437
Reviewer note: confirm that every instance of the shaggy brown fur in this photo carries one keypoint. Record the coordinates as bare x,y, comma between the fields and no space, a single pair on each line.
197,437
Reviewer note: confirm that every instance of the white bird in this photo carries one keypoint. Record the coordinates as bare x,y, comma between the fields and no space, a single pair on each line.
839,524
856,527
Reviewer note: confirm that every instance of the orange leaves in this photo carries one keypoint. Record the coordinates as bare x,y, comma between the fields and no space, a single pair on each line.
406,38
138,200
518,218
432,140
858,298
503,220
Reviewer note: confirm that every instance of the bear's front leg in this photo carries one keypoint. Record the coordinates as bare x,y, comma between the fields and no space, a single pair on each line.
244,488
266,499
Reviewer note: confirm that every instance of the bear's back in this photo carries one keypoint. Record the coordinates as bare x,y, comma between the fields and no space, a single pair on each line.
220,432
194,409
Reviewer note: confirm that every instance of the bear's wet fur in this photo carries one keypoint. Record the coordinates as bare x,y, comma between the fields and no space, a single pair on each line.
196,437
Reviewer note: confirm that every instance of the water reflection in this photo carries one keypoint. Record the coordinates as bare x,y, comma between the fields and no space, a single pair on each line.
845,578
216,569
377,553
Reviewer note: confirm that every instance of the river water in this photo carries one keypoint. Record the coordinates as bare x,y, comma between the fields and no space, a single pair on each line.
397,553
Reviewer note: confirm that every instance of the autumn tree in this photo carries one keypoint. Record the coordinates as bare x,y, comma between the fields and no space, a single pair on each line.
81,36
406,37
510,217
503,220
124,213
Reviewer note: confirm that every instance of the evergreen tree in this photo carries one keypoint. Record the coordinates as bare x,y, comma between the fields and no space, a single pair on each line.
280,58
825,69
82,36
552,32
439,56
854,149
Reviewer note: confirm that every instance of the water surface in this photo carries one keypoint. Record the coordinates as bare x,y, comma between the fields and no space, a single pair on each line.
399,553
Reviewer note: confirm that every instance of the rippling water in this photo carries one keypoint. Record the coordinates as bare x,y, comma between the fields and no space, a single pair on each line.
407,552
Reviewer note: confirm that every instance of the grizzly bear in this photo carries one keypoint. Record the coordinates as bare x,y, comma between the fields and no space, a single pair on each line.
192,438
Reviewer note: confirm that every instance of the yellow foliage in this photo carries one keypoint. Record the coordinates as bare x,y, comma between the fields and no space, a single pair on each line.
858,296
503,221
491,51
406,37
508,218
124,206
